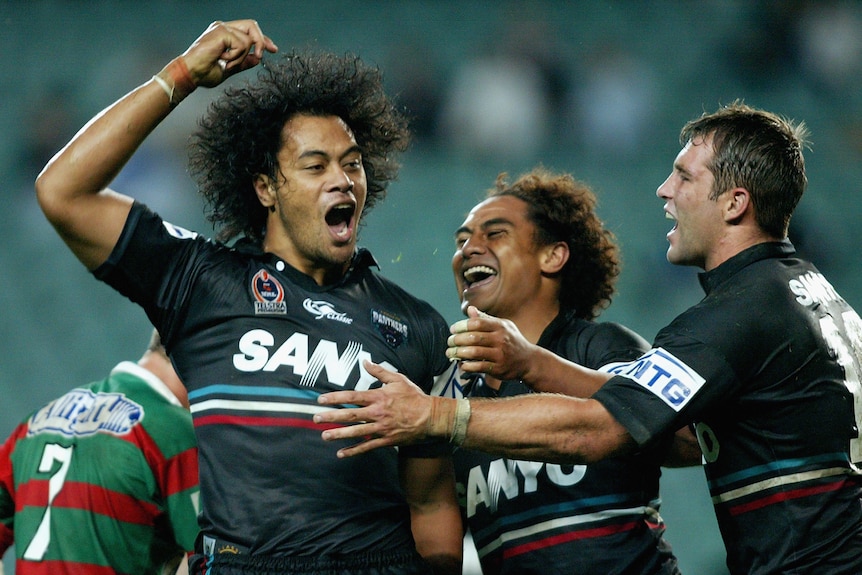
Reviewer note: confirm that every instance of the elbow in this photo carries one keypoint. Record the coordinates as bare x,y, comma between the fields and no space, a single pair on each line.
46,196
601,437
54,196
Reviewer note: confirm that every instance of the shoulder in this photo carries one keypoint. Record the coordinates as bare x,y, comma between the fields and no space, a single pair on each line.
618,333
399,299
595,344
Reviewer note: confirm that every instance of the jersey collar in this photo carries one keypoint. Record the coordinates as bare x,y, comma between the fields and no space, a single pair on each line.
362,260
149,377
709,280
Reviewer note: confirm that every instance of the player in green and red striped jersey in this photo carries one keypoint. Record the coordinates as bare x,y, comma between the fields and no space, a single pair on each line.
104,479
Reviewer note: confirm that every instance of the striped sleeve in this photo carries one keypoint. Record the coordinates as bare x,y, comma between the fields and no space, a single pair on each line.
7,490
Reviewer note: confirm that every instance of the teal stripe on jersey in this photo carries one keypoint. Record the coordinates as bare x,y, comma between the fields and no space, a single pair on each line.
538,514
717,483
240,390
237,398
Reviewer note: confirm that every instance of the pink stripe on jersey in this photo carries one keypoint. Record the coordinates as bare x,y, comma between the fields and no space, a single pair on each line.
785,496
570,536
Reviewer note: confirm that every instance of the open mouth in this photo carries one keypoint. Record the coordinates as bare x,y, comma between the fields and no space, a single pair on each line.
477,275
670,217
340,220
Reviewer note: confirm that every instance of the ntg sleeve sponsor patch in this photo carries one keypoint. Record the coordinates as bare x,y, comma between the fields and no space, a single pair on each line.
662,374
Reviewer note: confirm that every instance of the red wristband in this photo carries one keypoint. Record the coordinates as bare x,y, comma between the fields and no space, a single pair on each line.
181,78
180,83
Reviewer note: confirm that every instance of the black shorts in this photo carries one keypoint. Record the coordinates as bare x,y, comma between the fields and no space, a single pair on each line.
407,562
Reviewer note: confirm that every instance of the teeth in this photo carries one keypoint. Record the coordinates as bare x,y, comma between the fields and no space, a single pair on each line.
669,217
477,273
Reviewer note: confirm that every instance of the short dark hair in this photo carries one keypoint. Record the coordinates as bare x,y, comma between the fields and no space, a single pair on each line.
241,134
563,209
759,151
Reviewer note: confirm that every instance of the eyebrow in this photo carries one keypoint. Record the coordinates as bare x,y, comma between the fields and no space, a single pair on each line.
354,149
485,225
680,168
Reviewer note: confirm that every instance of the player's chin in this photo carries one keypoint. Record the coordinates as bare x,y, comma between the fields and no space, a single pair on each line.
678,257
341,252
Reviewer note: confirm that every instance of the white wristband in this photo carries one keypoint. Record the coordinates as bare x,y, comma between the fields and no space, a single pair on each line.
459,426
168,90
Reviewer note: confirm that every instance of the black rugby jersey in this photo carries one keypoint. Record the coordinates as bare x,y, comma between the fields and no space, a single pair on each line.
255,341
541,518
767,367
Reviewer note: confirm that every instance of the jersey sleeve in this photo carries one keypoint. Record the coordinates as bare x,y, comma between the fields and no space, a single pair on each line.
7,493
154,264
666,388
179,483
173,460
433,339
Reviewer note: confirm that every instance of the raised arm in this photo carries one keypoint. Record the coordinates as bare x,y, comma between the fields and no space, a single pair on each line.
72,189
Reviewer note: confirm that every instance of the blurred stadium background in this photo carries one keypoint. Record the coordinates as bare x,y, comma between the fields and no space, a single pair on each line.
599,89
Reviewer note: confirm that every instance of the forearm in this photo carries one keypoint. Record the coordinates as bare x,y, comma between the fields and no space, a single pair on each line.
684,450
429,486
495,347
535,427
544,427
439,538
550,373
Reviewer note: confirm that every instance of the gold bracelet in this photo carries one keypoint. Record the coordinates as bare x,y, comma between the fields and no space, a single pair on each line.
459,425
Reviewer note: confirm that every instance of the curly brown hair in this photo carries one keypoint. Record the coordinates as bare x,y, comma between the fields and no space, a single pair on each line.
563,209
241,134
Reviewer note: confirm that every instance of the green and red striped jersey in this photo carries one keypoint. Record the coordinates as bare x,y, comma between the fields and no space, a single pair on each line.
102,480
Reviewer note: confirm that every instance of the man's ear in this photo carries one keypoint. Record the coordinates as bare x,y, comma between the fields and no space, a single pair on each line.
554,257
264,187
738,205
